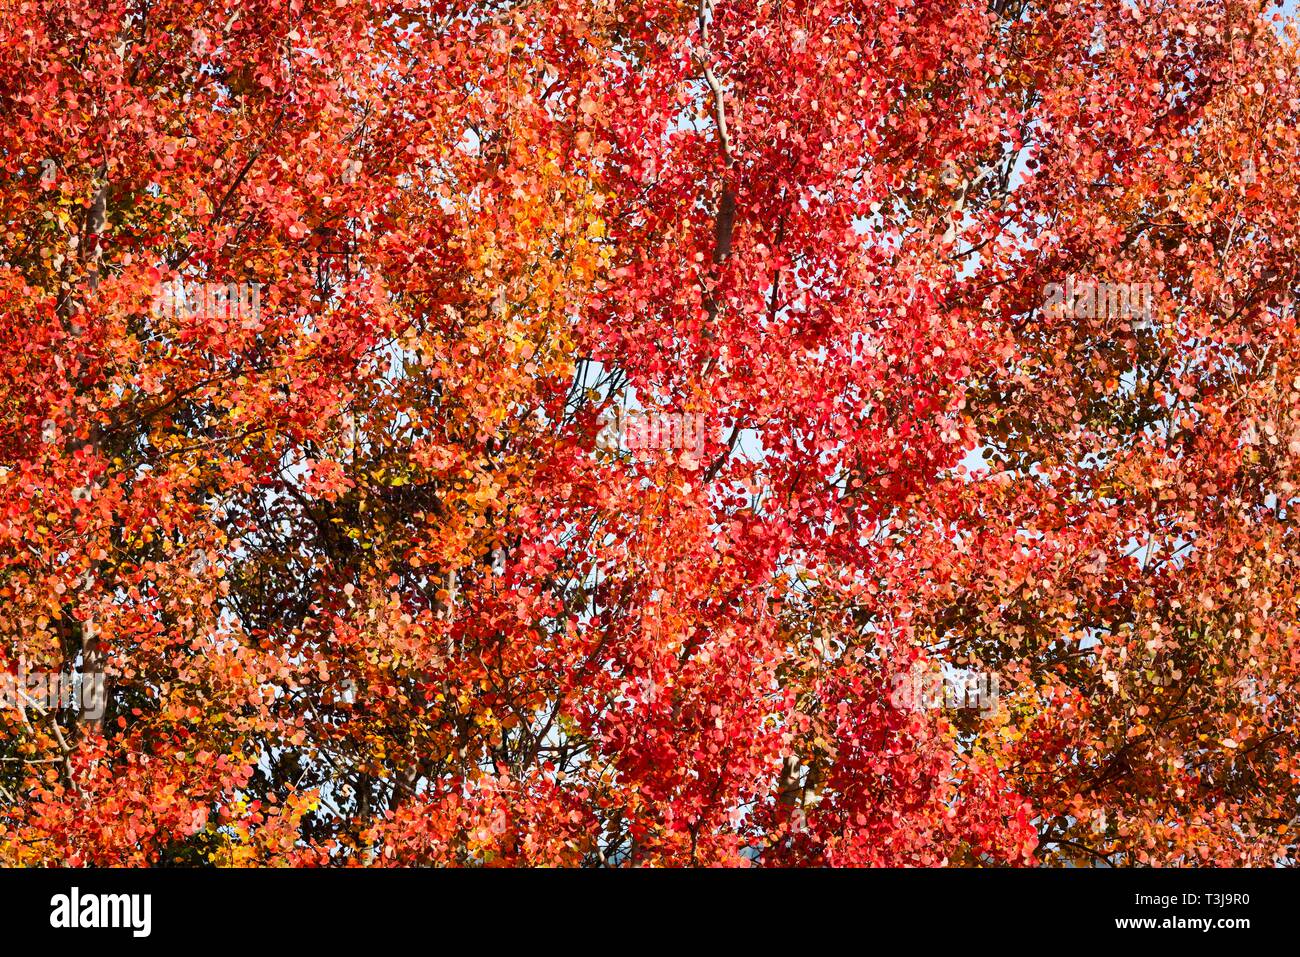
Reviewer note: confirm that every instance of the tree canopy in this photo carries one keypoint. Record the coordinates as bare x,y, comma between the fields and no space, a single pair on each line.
552,432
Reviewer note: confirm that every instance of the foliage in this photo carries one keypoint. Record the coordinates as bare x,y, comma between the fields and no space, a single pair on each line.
366,588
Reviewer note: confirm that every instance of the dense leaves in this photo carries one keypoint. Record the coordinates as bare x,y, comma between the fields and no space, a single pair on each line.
369,570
